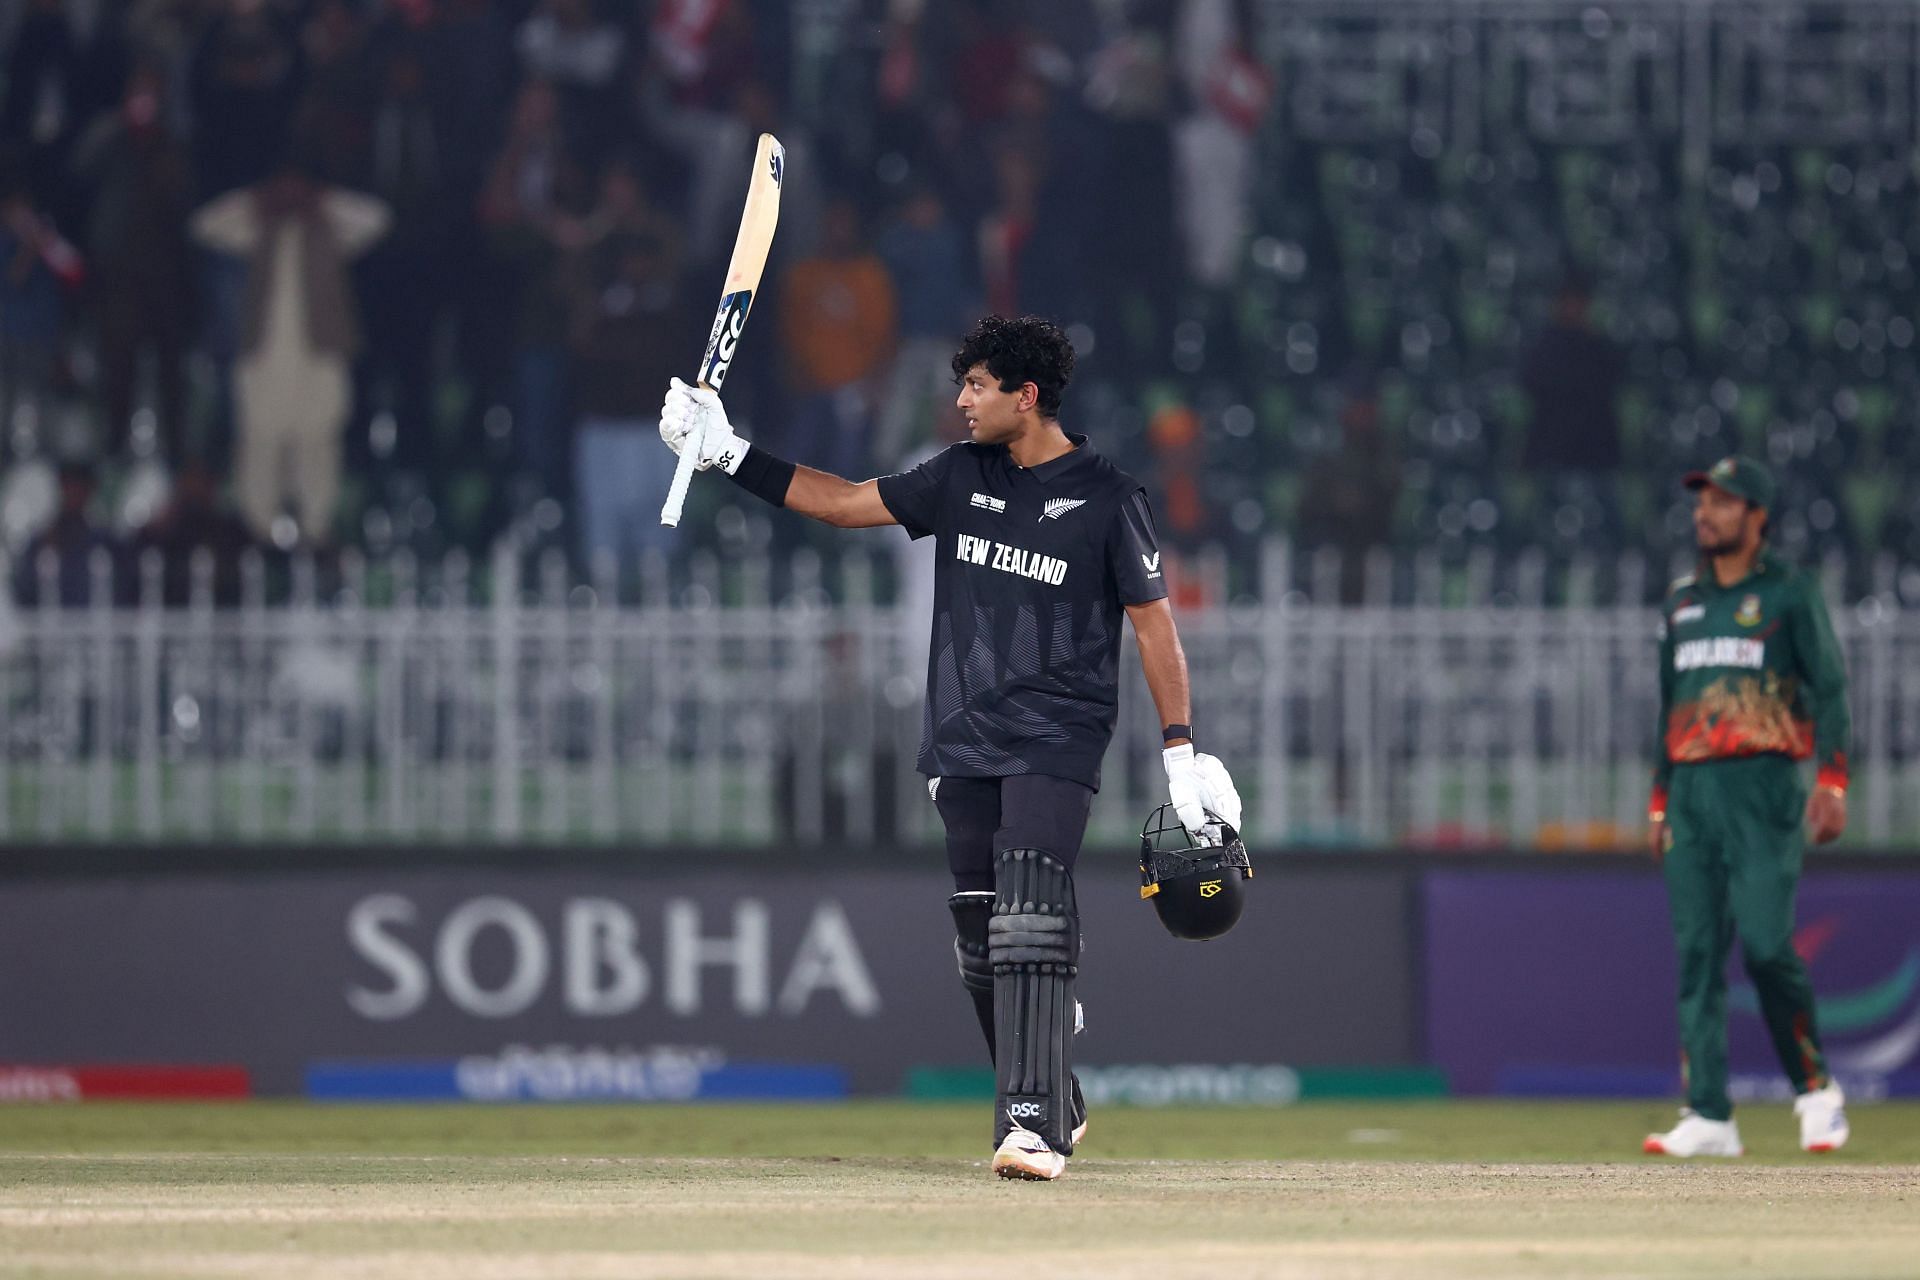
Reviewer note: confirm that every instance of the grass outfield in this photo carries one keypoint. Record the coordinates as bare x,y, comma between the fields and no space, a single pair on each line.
1436,1189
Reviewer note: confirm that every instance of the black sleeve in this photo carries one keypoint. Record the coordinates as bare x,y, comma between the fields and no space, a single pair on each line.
1133,552
916,497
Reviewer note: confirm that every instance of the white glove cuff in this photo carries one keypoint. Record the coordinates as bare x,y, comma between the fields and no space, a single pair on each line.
1173,757
736,453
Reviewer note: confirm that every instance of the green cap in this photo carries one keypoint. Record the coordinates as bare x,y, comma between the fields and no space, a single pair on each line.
1741,477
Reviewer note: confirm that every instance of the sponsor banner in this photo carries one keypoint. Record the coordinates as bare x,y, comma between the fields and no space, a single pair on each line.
1744,1087
1773,1086
1563,981
850,970
1346,1083
562,1074
1197,1084
100,1083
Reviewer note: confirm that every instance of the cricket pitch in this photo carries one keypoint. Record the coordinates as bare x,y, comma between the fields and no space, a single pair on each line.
1437,1189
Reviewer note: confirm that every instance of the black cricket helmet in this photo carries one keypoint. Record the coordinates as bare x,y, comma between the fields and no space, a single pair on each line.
1197,883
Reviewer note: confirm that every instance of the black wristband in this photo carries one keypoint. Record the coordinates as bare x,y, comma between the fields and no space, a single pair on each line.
764,476
1172,731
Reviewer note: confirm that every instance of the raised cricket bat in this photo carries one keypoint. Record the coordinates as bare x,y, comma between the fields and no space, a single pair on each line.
750,247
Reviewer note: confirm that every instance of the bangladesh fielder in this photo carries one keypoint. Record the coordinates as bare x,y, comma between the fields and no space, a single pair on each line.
1751,682
1040,544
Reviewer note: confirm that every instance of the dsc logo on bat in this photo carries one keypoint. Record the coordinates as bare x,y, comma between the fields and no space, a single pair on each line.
728,324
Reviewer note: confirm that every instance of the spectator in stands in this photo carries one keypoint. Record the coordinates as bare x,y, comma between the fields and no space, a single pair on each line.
195,520
839,323
1350,494
42,73
67,549
298,333
341,87
1179,470
702,51
1186,520
140,258
927,261
1573,376
1005,230
580,52
47,99
37,267
1214,144
245,86
987,47
533,182
162,34
464,50
1132,270
406,278
720,147
632,328
700,97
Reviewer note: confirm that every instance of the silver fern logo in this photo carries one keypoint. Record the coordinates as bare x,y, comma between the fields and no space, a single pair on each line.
1057,507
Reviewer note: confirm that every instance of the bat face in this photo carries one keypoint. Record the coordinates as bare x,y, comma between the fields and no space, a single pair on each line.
749,261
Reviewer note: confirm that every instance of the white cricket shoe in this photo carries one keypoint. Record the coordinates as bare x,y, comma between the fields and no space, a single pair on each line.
1696,1135
1823,1119
1025,1154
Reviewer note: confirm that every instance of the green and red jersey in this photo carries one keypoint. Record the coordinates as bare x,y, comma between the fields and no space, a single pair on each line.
1750,669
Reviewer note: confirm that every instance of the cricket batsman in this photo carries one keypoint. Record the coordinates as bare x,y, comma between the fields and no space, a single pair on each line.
1040,544
1751,682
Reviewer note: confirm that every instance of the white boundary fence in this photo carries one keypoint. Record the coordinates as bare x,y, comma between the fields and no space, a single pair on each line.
546,715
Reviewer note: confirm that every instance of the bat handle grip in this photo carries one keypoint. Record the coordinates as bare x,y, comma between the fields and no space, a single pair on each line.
677,491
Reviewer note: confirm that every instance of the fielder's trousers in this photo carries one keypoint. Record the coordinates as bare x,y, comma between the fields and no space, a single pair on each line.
1731,870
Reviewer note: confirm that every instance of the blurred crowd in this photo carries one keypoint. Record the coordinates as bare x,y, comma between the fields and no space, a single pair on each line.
306,273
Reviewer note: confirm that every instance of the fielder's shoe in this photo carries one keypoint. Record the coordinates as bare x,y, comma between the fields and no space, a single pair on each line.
1696,1135
1823,1119
1025,1154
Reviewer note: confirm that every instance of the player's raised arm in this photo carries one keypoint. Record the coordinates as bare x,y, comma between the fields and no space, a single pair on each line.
694,418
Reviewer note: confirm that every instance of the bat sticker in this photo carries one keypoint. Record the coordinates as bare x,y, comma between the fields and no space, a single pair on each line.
728,322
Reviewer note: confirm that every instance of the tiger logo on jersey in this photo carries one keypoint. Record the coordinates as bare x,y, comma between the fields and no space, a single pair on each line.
1749,612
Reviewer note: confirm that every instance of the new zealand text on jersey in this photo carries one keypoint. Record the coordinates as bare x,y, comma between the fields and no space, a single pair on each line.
998,555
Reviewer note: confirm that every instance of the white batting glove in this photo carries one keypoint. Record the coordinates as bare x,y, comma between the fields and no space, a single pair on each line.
1198,785
693,417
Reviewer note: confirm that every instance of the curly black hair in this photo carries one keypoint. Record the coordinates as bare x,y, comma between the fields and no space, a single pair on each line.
1025,349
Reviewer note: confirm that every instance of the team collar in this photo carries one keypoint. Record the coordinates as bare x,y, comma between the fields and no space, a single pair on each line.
1768,561
1049,471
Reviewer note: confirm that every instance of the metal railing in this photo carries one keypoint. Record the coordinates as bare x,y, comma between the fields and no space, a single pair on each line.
484,704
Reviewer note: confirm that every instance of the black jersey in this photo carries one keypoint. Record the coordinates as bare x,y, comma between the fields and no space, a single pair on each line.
1032,567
